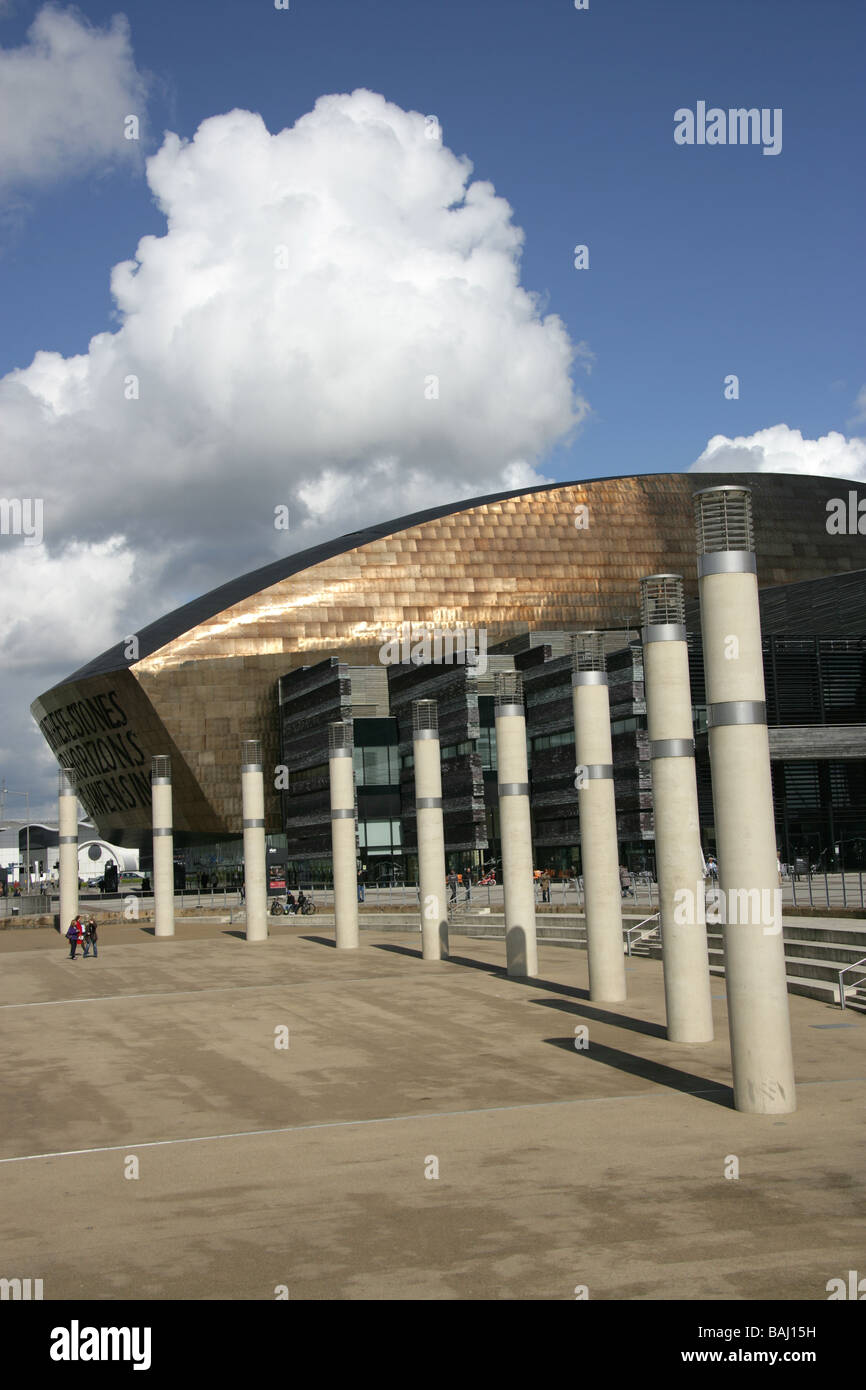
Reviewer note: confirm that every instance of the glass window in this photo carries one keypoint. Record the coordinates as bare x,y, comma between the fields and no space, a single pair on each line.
378,833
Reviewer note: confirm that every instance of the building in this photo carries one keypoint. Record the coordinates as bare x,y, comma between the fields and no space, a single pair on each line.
278,653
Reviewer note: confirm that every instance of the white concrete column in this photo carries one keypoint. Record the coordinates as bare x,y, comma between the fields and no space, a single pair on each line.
755,976
598,842
255,857
345,857
68,837
515,827
679,863
163,847
431,830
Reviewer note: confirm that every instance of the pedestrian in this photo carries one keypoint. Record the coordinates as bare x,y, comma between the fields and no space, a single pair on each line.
362,889
452,884
90,937
545,887
626,890
72,936
467,878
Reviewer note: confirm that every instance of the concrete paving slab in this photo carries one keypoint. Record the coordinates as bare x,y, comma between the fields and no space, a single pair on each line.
311,1166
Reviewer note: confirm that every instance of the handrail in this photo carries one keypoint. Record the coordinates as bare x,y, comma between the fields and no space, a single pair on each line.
627,931
855,966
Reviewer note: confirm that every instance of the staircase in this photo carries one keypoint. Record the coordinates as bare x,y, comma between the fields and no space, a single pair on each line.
816,949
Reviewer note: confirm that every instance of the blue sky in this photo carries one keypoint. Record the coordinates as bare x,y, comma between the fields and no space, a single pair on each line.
301,385
702,261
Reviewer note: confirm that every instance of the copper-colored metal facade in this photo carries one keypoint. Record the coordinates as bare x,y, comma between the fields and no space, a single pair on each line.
508,564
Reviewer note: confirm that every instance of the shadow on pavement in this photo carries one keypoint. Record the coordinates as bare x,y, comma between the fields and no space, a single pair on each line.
635,1025
715,1092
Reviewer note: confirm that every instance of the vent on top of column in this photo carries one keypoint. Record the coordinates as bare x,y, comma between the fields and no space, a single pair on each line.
723,516
340,736
66,780
160,766
509,688
425,715
587,651
662,600
251,752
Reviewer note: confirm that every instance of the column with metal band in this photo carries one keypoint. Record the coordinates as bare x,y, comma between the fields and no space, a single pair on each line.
163,847
255,854
755,976
598,842
679,863
343,838
431,831
515,827
68,837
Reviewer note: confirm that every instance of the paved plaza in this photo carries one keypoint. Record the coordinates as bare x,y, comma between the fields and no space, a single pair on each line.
311,1167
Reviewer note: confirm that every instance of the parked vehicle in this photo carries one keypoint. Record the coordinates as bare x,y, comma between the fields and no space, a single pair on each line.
289,906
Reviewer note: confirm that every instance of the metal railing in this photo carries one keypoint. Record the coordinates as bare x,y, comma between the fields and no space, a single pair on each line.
858,965
645,936
824,887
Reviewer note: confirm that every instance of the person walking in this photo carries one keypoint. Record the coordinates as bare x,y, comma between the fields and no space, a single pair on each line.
90,937
626,890
362,889
545,887
72,936
452,884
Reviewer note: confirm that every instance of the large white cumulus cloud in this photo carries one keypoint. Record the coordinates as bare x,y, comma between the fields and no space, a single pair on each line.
284,336
333,321
781,449
64,97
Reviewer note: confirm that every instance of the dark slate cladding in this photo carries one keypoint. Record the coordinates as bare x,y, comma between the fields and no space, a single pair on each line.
311,699
836,604
550,710
456,695
815,680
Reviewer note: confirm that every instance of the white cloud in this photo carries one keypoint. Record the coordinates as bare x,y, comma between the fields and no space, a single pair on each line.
309,385
859,416
282,334
37,588
64,96
781,449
